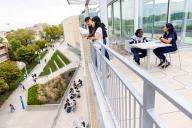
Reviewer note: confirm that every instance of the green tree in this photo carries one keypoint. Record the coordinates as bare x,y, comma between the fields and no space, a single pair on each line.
2,41
10,72
22,35
42,34
14,44
53,32
12,54
41,43
37,48
3,86
26,54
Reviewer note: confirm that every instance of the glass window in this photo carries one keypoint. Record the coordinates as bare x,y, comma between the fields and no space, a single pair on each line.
116,11
110,20
127,18
181,18
152,17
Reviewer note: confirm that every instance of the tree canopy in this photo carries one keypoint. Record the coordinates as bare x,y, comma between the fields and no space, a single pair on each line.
12,54
53,32
3,86
26,54
41,43
2,41
9,71
22,35
14,44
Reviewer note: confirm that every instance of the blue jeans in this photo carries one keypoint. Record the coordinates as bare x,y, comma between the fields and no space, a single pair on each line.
136,52
159,52
106,55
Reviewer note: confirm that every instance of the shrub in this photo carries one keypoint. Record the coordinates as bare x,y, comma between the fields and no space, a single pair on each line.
3,86
71,73
42,99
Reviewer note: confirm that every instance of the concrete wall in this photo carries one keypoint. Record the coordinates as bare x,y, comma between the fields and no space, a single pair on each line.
86,58
71,30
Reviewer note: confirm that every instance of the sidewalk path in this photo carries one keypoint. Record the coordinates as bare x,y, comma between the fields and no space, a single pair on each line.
21,118
66,119
63,48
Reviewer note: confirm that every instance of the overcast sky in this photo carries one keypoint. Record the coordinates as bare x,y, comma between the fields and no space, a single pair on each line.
26,13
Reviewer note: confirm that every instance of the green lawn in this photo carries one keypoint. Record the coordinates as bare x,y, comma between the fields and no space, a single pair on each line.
51,64
33,96
14,85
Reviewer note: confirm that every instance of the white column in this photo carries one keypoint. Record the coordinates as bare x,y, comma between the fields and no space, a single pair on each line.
86,10
136,4
184,22
103,15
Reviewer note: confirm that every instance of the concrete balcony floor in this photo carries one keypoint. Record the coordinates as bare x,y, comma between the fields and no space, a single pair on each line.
177,79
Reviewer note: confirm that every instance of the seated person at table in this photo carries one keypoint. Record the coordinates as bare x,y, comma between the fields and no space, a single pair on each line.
138,38
74,83
67,100
169,37
80,82
83,125
71,95
74,102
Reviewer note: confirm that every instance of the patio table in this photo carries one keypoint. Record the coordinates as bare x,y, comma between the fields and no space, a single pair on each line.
148,46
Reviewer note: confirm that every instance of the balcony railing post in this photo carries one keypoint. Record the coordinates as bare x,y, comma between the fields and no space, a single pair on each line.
148,103
103,69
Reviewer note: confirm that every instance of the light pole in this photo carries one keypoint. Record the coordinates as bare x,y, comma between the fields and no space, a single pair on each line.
36,52
9,26
22,63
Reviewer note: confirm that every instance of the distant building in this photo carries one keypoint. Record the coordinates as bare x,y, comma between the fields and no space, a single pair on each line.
37,27
4,55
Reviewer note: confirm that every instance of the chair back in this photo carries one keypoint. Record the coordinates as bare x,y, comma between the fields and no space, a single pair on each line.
178,42
112,38
74,124
127,46
121,40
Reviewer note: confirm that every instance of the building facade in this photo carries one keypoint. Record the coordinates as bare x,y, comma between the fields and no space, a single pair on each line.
125,16
4,55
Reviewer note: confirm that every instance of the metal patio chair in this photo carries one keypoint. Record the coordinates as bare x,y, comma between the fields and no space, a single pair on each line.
113,40
121,43
75,125
178,42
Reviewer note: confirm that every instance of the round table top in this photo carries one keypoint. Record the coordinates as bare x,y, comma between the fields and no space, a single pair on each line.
80,123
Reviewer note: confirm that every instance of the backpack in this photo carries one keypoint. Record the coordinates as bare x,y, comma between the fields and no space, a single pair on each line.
68,110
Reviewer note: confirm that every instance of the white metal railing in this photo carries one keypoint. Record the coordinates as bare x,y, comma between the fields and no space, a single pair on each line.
56,117
123,99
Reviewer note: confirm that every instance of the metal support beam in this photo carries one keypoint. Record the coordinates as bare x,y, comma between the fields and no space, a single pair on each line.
86,10
103,15
184,22
136,4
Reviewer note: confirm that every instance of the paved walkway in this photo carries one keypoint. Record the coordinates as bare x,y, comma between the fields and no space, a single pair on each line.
66,119
21,118
63,48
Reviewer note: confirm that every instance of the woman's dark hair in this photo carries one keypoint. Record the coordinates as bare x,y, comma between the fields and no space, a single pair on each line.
137,31
171,30
98,23
83,124
82,24
87,18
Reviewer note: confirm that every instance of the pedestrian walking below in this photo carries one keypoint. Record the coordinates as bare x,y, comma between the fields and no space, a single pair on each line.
23,88
45,60
20,84
11,106
34,80
35,75
32,76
